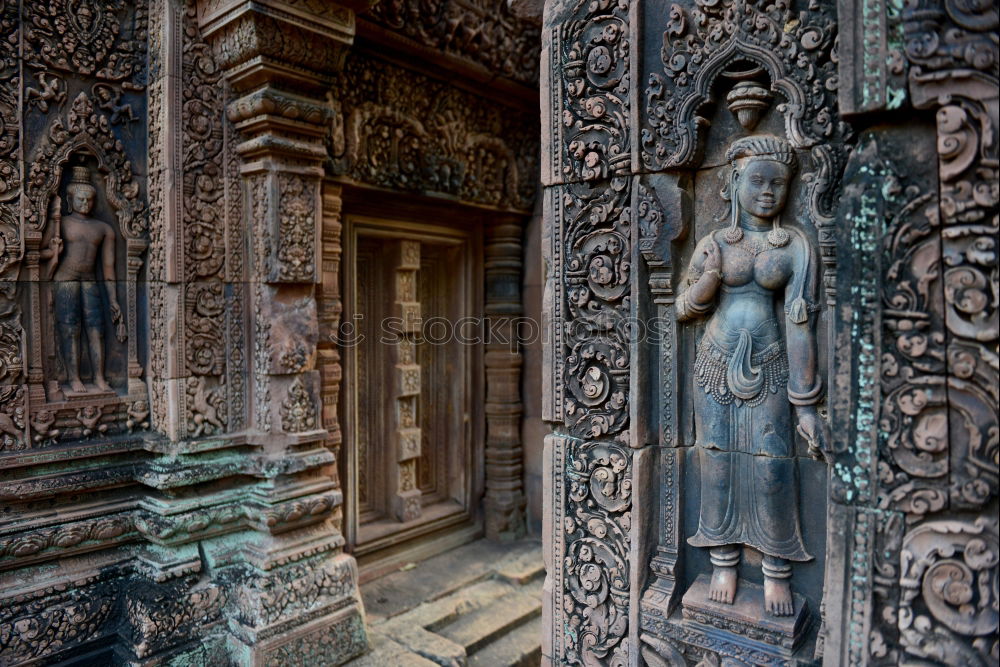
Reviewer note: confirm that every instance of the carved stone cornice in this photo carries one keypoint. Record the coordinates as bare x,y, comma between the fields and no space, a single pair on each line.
292,41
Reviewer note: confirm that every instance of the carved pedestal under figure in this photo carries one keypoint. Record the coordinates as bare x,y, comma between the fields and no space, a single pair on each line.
749,370
77,243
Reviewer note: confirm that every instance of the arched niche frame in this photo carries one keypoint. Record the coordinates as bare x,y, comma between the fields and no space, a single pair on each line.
795,47
84,132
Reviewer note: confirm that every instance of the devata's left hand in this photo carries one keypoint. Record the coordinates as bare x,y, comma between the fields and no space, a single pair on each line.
811,428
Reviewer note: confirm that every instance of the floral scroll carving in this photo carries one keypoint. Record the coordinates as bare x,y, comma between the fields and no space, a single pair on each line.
592,67
89,38
50,625
949,574
700,43
597,271
596,561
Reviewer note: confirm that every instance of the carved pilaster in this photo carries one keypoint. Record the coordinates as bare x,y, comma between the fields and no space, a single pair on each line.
505,500
330,306
267,49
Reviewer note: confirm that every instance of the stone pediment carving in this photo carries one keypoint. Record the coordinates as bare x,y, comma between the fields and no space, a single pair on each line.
86,129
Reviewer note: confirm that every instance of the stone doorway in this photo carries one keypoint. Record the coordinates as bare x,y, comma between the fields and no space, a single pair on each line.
412,431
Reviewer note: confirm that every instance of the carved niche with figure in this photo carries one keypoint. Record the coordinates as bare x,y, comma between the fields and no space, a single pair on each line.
799,463
87,241
749,370
78,244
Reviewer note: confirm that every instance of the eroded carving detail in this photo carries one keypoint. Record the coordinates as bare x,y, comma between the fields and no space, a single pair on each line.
298,413
398,129
484,32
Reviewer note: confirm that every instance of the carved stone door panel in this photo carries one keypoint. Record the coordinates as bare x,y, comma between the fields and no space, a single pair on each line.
409,412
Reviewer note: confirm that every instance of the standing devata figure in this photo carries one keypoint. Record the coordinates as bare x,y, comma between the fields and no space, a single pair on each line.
749,370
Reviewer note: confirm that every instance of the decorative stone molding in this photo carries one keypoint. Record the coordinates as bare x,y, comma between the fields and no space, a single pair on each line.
290,40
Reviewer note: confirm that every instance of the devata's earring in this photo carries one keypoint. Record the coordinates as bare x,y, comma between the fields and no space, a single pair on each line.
777,237
734,234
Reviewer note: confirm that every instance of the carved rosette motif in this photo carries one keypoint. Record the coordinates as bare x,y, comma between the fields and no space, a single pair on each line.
590,83
597,266
948,554
590,256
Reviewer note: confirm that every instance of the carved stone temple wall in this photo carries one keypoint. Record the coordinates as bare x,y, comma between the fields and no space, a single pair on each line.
771,373
175,177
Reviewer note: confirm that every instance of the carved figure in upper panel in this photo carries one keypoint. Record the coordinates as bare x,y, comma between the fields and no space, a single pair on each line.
88,38
750,371
78,244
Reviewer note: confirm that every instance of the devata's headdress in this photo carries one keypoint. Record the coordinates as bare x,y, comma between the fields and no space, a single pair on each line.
757,147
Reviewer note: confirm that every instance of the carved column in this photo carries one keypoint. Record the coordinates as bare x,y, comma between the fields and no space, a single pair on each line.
267,51
505,500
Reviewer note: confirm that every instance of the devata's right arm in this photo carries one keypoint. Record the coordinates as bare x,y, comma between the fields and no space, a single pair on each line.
704,275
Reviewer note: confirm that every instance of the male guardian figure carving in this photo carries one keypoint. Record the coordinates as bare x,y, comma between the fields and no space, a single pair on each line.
75,287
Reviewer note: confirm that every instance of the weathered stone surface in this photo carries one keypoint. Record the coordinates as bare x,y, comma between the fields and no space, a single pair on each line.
480,616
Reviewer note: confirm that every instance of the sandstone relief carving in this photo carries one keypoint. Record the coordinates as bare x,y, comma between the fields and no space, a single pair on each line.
79,249
868,130
750,371
86,245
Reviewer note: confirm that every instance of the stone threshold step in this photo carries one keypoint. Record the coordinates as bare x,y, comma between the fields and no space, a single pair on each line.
478,628
520,648
448,573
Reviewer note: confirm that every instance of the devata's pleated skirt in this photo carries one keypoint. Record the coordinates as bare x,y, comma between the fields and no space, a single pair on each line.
749,477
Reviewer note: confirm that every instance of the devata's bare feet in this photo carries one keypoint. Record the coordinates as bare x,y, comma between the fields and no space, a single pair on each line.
778,597
101,383
77,386
723,586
